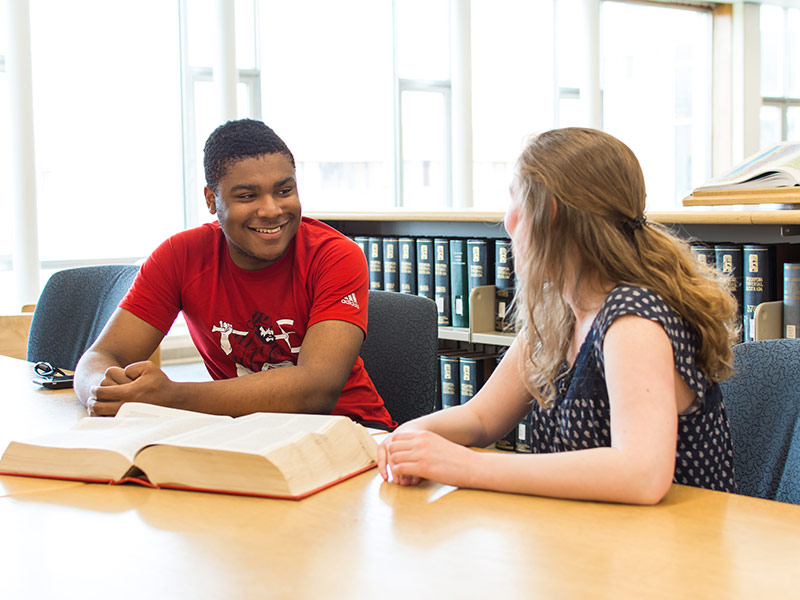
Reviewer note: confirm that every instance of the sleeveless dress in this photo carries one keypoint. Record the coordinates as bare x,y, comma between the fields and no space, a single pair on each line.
580,415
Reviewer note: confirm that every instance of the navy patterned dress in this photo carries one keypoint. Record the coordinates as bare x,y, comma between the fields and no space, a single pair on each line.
580,415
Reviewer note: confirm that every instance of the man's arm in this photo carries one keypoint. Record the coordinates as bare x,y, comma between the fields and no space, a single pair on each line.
325,361
125,339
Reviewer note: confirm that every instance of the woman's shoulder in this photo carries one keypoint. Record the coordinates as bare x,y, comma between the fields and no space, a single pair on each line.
627,299
633,299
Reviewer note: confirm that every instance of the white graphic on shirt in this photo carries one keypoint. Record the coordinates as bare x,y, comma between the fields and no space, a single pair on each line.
226,329
351,300
284,334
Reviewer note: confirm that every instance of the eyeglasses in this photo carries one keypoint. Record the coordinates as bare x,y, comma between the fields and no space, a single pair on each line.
46,370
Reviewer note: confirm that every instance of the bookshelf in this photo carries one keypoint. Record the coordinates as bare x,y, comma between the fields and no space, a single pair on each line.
710,224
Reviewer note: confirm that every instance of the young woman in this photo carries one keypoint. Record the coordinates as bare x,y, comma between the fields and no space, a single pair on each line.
624,336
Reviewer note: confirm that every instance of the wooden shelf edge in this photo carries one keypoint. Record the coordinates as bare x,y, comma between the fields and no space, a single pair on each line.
405,215
678,217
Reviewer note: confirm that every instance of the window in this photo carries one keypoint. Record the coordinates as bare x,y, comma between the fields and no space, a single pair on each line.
780,74
327,90
199,31
107,128
656,93
512,96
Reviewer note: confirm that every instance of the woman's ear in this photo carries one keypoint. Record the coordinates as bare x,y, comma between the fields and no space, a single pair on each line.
555,210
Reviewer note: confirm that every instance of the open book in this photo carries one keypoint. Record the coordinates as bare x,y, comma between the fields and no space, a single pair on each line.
777,166
264,454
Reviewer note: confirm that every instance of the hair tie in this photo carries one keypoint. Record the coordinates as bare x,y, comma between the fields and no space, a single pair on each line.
631,225
638,222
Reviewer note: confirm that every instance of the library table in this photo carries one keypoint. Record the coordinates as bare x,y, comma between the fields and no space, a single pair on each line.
365,538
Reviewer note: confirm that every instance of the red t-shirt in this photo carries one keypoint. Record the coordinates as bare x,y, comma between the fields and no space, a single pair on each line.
247,321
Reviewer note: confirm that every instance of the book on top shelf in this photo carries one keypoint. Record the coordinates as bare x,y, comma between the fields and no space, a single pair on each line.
280,455
391,265
407,257
776,166
375,262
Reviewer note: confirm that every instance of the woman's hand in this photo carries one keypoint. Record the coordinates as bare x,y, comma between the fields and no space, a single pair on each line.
406,457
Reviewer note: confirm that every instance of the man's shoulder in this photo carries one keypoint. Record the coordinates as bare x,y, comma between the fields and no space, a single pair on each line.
317,236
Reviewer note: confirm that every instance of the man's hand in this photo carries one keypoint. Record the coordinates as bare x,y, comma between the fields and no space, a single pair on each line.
138,382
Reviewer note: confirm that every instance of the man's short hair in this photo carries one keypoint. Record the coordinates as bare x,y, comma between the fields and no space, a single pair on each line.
235,141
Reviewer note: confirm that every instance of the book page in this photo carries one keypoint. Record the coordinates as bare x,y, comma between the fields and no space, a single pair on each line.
257,433
782,161
124,435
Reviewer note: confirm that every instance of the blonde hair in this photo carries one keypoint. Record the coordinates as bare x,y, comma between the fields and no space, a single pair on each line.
583,189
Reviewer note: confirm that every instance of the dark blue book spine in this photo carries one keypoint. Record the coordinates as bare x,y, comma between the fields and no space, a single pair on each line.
449,380
408,265
704,254
524,442
391,265
504,285
469,377
729,262
363,243
425,283
459,284
758,260
441,279
375,263
478,265
791,300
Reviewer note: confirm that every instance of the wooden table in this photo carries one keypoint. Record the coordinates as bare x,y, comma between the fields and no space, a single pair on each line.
368,539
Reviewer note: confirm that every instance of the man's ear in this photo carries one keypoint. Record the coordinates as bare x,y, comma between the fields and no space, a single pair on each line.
211,200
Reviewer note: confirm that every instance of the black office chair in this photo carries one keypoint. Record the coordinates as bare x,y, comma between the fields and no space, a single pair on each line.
72,310
763,403
400,352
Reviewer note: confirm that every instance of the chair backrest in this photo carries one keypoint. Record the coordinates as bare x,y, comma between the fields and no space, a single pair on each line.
72,310
400,352
789,487
763,402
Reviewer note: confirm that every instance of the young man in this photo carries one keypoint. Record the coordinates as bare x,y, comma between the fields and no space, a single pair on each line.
276,303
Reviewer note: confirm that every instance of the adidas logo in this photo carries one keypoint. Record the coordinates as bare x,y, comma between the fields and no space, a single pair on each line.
351,300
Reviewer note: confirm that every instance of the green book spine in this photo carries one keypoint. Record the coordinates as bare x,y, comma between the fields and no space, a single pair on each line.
459,284
441,280
375,263
391,265
425,283
407,252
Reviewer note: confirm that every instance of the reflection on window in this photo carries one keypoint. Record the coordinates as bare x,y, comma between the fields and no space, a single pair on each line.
780,80
793,122
6,224
424,149
512,93
327,90
771,117
107,127
423,39
656,94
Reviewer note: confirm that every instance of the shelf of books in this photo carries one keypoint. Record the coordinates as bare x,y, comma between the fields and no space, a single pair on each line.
462,260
